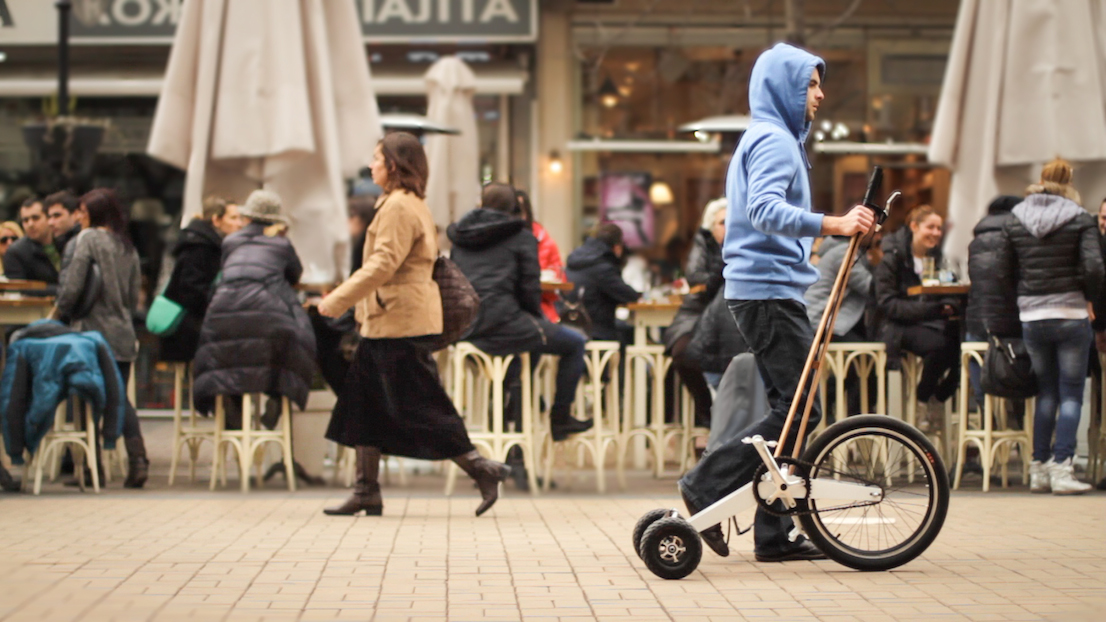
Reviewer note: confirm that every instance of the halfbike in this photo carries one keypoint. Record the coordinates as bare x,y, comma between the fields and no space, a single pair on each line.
870,491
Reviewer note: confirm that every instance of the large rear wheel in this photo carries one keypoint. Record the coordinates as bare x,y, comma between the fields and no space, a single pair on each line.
894,528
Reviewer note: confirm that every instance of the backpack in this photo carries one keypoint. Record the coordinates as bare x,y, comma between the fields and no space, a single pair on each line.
460,302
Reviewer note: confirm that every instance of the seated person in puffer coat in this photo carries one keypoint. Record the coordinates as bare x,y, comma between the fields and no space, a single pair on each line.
256,337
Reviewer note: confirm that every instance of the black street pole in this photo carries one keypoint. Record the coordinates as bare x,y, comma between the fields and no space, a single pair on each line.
64,7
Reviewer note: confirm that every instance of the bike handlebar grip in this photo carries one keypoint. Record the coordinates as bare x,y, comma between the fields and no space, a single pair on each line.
871,195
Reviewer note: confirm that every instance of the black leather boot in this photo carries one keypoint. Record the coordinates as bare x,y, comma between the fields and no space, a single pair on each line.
139,466
366,490
487,474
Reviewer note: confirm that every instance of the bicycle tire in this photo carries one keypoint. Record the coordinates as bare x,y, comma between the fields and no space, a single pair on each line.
929,505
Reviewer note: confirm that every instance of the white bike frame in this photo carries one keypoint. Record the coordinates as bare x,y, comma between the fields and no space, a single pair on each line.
785,486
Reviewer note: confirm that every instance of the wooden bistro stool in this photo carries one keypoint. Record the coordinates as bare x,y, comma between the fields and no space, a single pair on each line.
80,435
190,434
601,400
476,375
651,426
250,440
868,359
991,436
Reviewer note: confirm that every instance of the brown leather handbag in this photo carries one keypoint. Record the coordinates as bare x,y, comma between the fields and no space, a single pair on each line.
460,302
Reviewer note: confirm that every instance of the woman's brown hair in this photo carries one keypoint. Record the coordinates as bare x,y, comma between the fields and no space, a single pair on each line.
918,215
406,162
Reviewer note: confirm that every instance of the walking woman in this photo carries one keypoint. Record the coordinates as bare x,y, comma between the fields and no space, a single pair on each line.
393,401
1051,246
106,244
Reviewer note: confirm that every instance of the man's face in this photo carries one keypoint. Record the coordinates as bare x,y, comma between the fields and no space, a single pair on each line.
814,95
229,222
60,219
1102,218
34,223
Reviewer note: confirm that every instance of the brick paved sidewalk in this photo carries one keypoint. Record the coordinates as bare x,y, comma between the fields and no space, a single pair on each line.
184,553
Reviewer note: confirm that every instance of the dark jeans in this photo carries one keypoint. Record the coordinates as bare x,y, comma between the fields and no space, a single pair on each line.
692,376
779,335
1058,349
131,428
569,346
940,352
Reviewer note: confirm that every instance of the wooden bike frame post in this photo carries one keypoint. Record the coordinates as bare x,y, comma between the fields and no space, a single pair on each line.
822,337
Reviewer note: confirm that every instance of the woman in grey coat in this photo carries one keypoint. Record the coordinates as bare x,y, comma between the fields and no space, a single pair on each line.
106,244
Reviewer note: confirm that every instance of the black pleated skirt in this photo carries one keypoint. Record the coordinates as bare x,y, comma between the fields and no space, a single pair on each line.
393,399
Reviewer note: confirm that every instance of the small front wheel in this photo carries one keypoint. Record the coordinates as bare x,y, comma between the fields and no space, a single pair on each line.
671,548
643,523
897,526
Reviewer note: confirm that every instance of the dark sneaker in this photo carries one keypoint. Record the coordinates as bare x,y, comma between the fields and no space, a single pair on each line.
712,535
804,551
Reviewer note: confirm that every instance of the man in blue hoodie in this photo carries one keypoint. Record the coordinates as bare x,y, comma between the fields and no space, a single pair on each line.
769,231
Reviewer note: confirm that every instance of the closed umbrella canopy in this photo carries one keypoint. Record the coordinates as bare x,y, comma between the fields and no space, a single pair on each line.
454,185
273,93
1025,82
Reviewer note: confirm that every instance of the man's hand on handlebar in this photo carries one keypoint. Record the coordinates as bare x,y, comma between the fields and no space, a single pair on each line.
859,219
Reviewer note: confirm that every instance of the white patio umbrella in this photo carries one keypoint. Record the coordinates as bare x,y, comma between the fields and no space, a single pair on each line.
454,185
1025,82
273,93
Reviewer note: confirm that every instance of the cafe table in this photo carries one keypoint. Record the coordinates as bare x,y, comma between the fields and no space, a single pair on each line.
24,310
557,286
944,289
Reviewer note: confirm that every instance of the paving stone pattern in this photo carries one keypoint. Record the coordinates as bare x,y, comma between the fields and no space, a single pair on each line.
186,554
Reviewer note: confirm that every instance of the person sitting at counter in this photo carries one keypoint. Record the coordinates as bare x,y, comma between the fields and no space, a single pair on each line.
595,270
919,324
34,256
496,250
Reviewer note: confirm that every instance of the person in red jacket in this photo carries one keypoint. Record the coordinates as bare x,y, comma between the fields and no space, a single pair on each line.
549,255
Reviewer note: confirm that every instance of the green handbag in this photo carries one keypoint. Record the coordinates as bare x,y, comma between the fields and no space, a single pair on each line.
164,316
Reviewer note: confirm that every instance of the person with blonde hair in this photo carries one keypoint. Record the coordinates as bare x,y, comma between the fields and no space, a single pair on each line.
10,231
1051,247
703,269
921,325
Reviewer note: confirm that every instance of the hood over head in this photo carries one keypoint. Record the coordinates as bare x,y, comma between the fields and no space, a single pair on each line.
1044,213
199,232
481,228
778,87
593,251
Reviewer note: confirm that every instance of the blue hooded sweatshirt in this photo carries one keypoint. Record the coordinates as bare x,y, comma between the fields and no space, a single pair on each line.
769,225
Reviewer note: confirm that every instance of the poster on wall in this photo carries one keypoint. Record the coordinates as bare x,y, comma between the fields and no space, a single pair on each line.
624,201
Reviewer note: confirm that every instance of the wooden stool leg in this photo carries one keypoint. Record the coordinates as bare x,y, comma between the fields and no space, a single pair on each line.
286,443
245,452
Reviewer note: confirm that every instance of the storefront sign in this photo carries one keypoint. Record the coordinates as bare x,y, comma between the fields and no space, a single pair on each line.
155,21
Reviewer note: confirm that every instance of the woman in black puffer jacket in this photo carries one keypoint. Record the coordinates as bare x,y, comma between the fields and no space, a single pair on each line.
704,267
1052,247
918,324
256,338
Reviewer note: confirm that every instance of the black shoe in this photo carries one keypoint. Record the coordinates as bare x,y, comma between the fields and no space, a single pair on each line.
7,482
712,535
1102,485
803,551
572,426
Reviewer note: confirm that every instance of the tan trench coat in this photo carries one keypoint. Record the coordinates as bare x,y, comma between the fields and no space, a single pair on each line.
394,291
